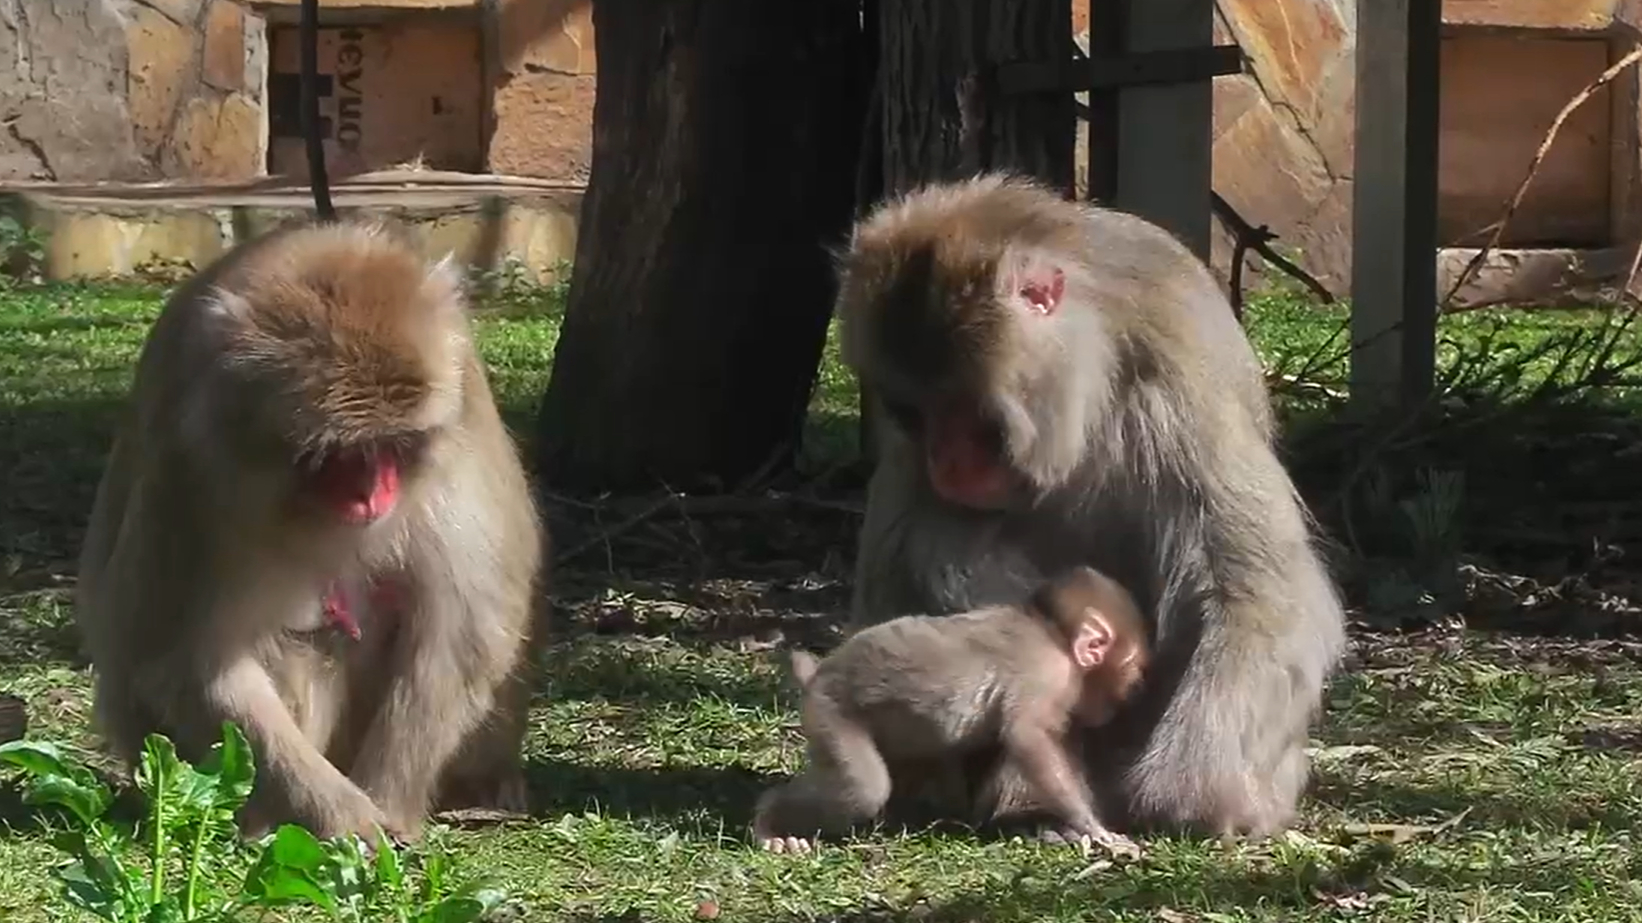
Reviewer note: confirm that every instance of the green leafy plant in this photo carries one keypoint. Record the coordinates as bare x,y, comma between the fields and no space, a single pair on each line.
22,251
191,853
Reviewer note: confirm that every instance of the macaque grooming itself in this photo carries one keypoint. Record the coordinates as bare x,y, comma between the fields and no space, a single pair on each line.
1058,384
313,524
924,690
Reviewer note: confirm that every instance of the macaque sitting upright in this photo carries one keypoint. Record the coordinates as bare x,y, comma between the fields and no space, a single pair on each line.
920,689
313,524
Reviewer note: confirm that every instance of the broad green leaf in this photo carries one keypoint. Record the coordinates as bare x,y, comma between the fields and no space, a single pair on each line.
458,910
295,847
284,883
85,892
86,802
35,757
156,767
232,763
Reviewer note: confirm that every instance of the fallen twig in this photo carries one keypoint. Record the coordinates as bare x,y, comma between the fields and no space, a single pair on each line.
1247,237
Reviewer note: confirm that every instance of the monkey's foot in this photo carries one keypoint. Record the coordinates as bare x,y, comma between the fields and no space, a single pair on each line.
786,844
502,792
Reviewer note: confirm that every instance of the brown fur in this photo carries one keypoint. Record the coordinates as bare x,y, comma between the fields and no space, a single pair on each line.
1134,428
205,560
901,698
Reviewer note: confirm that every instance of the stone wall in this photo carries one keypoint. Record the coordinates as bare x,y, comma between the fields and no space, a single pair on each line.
118,90
543,90
126,90
1284,130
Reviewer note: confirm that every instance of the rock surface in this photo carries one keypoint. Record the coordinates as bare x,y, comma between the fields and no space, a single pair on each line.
63,112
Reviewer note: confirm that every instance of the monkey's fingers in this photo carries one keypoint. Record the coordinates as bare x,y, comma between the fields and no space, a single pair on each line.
1118,845
786,844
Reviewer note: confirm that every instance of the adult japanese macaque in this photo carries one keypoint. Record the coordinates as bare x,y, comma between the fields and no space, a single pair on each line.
314,524
1060,384
922,691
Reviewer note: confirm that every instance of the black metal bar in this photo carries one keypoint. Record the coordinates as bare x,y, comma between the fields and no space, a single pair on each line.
308,39
1108,31
1115,71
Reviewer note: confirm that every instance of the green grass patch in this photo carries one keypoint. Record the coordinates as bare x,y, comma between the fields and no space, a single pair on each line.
1459,776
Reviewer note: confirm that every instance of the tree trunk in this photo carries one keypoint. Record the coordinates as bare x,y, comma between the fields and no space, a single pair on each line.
942,117
724,148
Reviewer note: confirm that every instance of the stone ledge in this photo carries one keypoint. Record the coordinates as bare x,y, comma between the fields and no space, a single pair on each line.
1573,17
109,229
1532,277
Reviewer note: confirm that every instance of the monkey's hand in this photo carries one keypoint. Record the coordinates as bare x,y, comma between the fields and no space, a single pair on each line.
1118,845
351,811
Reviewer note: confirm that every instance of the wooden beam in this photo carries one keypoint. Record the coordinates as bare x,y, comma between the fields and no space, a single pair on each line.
1165,133
1394,202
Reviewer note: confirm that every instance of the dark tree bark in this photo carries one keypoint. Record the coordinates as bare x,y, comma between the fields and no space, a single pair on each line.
724,160
943,118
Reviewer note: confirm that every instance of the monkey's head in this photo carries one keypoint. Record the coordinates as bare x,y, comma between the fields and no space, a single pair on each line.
1105,636
342,368
965,310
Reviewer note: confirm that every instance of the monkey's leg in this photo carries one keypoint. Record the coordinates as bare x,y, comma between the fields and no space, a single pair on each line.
488,772
1227,755
447,669
846,781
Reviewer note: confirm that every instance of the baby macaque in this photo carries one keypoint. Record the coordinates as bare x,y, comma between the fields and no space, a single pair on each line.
921,689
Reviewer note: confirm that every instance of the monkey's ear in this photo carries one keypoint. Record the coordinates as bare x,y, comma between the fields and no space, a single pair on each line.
1035,283
224,305
1091,643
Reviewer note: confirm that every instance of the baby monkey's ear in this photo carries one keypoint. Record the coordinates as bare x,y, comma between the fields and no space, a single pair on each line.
1092,641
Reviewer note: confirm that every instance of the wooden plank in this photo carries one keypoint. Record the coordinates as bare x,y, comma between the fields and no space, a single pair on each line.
1394,224
1164,138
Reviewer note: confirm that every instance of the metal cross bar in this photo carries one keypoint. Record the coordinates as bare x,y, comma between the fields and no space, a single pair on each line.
1115,71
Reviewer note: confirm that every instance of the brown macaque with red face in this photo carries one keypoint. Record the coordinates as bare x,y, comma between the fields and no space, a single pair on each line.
1056,384
922,691
314,524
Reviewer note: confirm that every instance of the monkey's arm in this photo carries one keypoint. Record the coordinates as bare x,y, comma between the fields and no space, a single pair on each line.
1042,761
318,794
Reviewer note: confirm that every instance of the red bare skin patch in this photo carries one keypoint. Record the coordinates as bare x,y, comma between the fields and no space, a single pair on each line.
361,485
386,596
339,614
963,469
1042,288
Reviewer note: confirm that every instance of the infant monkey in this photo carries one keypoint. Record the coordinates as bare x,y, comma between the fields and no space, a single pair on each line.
922,688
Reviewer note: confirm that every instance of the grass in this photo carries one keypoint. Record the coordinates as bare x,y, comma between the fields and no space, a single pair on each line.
1461,775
